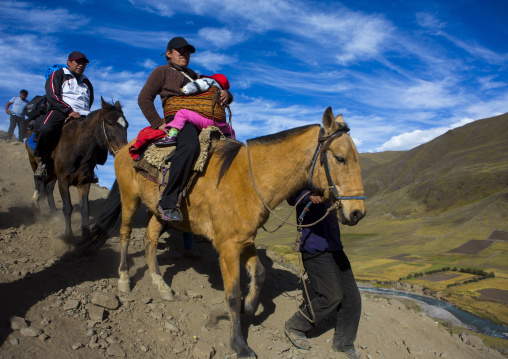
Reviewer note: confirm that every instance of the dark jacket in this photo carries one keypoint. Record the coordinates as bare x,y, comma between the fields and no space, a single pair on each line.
323,236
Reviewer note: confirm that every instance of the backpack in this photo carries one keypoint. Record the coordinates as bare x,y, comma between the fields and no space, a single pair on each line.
36,107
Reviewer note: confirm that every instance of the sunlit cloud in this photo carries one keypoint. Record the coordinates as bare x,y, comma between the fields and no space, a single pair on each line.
415,138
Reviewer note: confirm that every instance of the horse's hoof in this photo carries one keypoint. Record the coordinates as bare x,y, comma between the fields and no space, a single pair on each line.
167,296
124,287
247,353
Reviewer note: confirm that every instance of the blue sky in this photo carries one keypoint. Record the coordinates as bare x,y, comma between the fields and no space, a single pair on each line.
400,72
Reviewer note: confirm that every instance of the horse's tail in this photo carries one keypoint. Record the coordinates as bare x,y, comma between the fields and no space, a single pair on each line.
108,222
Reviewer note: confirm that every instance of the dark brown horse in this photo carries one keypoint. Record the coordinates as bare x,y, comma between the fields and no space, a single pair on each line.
224,204
83,143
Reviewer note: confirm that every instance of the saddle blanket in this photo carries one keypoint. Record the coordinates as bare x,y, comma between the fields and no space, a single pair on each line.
155,162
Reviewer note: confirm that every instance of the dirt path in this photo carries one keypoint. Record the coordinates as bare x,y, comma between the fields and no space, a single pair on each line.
54,294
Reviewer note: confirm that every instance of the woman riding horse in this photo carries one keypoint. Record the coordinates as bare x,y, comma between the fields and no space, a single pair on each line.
167,81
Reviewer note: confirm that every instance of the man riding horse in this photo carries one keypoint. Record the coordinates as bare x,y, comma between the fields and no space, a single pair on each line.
70,95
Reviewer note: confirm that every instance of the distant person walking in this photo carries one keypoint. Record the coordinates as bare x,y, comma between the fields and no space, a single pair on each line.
330,276
17,115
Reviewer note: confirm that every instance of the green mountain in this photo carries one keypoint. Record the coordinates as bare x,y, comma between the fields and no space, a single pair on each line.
463,165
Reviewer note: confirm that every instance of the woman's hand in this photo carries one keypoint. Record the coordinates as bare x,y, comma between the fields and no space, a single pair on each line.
224,96
163,128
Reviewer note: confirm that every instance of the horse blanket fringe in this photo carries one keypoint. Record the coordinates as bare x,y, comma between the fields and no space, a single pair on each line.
154,163
206,104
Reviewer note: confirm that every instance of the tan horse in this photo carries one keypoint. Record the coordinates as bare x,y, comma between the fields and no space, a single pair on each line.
223,204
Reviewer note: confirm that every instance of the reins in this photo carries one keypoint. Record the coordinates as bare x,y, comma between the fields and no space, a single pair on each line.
284,221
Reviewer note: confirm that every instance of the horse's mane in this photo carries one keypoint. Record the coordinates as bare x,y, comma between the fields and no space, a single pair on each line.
230,149
279,136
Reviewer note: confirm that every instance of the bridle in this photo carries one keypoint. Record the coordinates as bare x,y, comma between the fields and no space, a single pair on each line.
110,147
324,143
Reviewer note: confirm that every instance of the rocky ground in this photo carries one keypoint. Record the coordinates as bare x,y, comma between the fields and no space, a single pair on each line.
54,304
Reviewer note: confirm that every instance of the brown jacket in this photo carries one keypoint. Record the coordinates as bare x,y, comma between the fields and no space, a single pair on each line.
165,82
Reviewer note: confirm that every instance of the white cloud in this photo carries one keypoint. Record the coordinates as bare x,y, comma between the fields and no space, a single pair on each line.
25,16
222,38
429,21
415,138
213,61
149,64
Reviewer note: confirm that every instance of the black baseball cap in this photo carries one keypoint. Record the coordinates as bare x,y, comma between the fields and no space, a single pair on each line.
76,55
179,43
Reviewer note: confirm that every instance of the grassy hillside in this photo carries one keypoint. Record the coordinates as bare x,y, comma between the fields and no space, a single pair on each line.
463,165
431,207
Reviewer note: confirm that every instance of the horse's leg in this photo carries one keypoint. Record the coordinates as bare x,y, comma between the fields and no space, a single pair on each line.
50,187
63,186
84,190
256,271
229,257
129,208
36,196
151,238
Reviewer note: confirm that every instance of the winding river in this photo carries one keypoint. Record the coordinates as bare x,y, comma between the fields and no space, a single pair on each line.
444,311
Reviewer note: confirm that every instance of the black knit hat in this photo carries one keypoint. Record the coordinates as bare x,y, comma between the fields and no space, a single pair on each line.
180,42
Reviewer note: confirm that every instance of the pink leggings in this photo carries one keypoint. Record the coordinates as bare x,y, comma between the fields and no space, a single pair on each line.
184,116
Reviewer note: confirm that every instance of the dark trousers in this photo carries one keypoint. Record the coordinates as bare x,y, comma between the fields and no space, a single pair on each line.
48,133
186,154
335,289
20,121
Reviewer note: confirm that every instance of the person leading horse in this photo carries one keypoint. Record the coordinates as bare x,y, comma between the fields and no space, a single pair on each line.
70,95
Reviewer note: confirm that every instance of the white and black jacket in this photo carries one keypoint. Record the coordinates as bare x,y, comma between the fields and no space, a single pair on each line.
66,94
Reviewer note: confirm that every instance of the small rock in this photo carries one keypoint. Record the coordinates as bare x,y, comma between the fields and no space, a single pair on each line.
45,322
14,341
76,346
111,340
191,294
475,342
171,327
203,351
18,323
43,336
146,300
31,332
178,350
143,348
71,304
96,313
116,350
443,355
90,332
106,300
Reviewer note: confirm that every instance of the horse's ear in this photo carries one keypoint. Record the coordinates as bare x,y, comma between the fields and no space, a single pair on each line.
329,123
340,119
118,106
104,103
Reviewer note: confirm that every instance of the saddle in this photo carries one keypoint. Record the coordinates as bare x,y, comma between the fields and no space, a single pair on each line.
155,162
